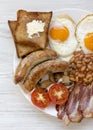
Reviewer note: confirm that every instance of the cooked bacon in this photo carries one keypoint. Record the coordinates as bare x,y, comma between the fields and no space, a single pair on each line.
62,115
79,104
86,102
72,107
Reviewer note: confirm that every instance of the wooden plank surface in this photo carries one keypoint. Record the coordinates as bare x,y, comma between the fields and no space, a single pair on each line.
15,112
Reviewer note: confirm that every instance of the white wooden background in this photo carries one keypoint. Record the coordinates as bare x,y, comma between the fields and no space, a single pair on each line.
16,113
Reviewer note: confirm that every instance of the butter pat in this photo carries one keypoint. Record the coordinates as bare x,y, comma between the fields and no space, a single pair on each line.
35,27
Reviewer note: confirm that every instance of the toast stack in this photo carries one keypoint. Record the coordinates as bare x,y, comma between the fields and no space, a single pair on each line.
25,45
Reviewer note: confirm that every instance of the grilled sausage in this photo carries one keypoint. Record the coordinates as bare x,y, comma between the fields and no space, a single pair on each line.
31,60
40,70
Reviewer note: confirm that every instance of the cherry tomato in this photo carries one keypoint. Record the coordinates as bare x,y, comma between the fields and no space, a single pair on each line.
40,98
58,94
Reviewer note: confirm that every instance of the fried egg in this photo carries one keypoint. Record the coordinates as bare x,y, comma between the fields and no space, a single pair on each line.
62,35
84,34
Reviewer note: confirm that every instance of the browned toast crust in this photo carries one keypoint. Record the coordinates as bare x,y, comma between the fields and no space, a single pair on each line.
21,36
21,49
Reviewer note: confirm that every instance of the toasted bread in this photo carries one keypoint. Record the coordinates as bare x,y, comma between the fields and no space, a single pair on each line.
21,49
24,17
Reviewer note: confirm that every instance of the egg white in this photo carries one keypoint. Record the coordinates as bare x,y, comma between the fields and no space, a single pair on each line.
84,27
67,47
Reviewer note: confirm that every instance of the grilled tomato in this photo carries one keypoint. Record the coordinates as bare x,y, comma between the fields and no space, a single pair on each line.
58,94
40,98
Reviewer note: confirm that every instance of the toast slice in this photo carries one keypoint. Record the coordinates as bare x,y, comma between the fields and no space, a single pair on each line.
24,17
21,49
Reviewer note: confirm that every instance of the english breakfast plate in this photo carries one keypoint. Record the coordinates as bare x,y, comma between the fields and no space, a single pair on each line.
76,15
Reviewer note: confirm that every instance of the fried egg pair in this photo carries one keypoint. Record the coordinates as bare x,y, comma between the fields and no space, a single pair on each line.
84,34
62,35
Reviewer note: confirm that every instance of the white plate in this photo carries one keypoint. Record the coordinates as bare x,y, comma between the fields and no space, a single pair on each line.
76,14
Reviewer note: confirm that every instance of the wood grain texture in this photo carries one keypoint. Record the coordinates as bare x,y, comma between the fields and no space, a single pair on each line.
16,113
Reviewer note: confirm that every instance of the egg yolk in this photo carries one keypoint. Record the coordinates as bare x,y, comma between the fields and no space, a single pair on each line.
88,40
59,33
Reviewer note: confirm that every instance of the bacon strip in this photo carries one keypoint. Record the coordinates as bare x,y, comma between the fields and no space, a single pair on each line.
86,103
72,107
63,115
79,105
